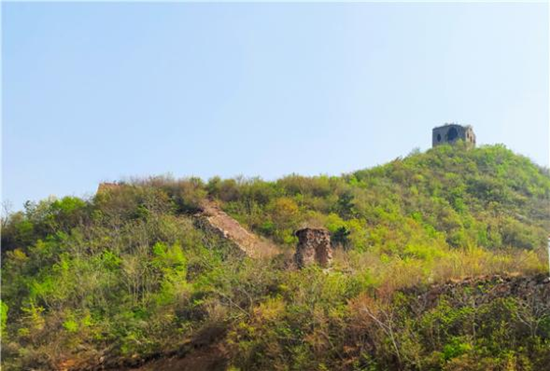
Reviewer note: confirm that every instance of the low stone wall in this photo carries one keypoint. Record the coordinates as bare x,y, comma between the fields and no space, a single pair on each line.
534,290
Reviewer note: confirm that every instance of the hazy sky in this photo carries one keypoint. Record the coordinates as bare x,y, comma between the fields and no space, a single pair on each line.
95,92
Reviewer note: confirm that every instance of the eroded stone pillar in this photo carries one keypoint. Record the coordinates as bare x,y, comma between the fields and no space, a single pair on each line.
313,247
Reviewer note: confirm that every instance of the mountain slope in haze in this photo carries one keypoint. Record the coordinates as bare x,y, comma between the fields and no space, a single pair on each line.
131,275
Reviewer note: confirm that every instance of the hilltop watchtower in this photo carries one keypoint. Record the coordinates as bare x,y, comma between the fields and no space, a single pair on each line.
450,133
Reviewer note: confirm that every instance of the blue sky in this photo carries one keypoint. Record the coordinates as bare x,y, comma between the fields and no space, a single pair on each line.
104,91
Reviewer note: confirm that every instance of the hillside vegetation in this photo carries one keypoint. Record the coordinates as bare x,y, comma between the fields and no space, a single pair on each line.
128,274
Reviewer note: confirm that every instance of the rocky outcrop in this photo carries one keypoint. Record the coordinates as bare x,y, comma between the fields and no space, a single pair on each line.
213,218
313,247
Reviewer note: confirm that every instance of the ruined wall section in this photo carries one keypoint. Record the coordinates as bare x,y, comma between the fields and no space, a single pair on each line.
533,289
313,247
215,220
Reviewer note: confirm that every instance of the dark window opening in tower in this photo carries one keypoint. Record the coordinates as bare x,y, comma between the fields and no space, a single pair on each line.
439,137
452,134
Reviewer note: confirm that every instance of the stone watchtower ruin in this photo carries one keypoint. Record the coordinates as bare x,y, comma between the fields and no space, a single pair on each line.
313,247
451,133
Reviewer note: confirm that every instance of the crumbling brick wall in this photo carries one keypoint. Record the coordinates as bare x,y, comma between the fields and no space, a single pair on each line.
532,289
313,247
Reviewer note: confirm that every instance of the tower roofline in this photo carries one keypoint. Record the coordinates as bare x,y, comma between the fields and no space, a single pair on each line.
447,124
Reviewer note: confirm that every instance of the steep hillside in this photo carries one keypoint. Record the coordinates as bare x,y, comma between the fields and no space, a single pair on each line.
448,196
132,277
